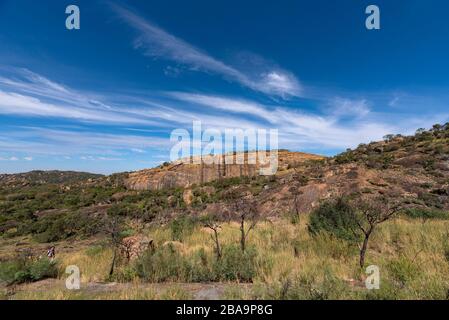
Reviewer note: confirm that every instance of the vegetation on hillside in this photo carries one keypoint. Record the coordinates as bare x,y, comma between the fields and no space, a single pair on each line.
385,203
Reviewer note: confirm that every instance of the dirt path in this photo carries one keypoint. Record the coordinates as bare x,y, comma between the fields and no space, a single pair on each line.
198,291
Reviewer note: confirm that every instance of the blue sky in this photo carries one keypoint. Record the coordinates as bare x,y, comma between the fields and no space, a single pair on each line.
106,97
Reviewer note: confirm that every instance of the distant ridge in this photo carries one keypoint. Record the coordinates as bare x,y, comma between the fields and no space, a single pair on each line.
45,177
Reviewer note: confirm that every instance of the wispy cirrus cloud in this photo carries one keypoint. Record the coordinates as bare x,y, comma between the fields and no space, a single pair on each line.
344,107
156,42
47,141
225,104
29,94
9,159
299,129
142,123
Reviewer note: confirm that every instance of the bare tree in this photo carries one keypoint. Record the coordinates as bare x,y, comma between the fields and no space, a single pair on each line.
113,228
215,227
368,214
247,211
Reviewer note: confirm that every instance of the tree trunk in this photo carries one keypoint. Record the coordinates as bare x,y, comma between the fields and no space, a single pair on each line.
217,245
364,248
111,270
242,236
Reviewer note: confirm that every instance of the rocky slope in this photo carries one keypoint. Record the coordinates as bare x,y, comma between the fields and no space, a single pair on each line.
413,169
184,174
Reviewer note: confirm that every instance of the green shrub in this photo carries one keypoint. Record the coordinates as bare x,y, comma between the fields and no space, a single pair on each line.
167,264
236,265
336,217
42,268
22,270
182,227
425,213
62,226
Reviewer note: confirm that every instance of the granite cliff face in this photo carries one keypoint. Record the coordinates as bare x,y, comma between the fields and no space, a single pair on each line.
186,173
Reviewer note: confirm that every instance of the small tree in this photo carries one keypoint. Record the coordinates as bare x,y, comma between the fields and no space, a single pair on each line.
420,131
368,214
215,227
437,127
248,214
354,220
388,137
113,229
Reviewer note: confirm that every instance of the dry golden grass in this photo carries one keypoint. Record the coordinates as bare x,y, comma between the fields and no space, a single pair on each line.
173,292
411,256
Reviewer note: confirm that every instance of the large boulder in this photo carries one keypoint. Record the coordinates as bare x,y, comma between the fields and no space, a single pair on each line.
134,246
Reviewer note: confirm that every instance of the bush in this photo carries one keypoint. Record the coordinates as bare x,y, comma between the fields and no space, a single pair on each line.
425,213
22,270
42,268
63,226
182,227
336,217
167,264
236,265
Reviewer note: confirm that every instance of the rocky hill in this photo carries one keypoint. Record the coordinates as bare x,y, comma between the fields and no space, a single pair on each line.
185,173
56,205
413,169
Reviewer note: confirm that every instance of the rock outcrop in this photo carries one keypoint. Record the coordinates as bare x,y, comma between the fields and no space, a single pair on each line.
186,173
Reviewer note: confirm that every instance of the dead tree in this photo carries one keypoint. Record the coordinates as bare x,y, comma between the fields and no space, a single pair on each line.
113,229
247,211
215,227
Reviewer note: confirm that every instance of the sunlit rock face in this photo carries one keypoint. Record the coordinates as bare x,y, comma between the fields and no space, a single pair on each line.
186,172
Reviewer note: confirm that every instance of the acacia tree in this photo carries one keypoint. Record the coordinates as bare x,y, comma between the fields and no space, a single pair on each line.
367,215
354,220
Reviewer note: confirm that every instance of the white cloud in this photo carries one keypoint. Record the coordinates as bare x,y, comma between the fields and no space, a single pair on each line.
345,123
30,94
67,142
28,158
14,103
225,104
156,42
99,158
342,107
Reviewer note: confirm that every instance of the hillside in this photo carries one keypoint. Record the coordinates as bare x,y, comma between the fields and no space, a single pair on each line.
185,173
415,169
80,214
45,177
